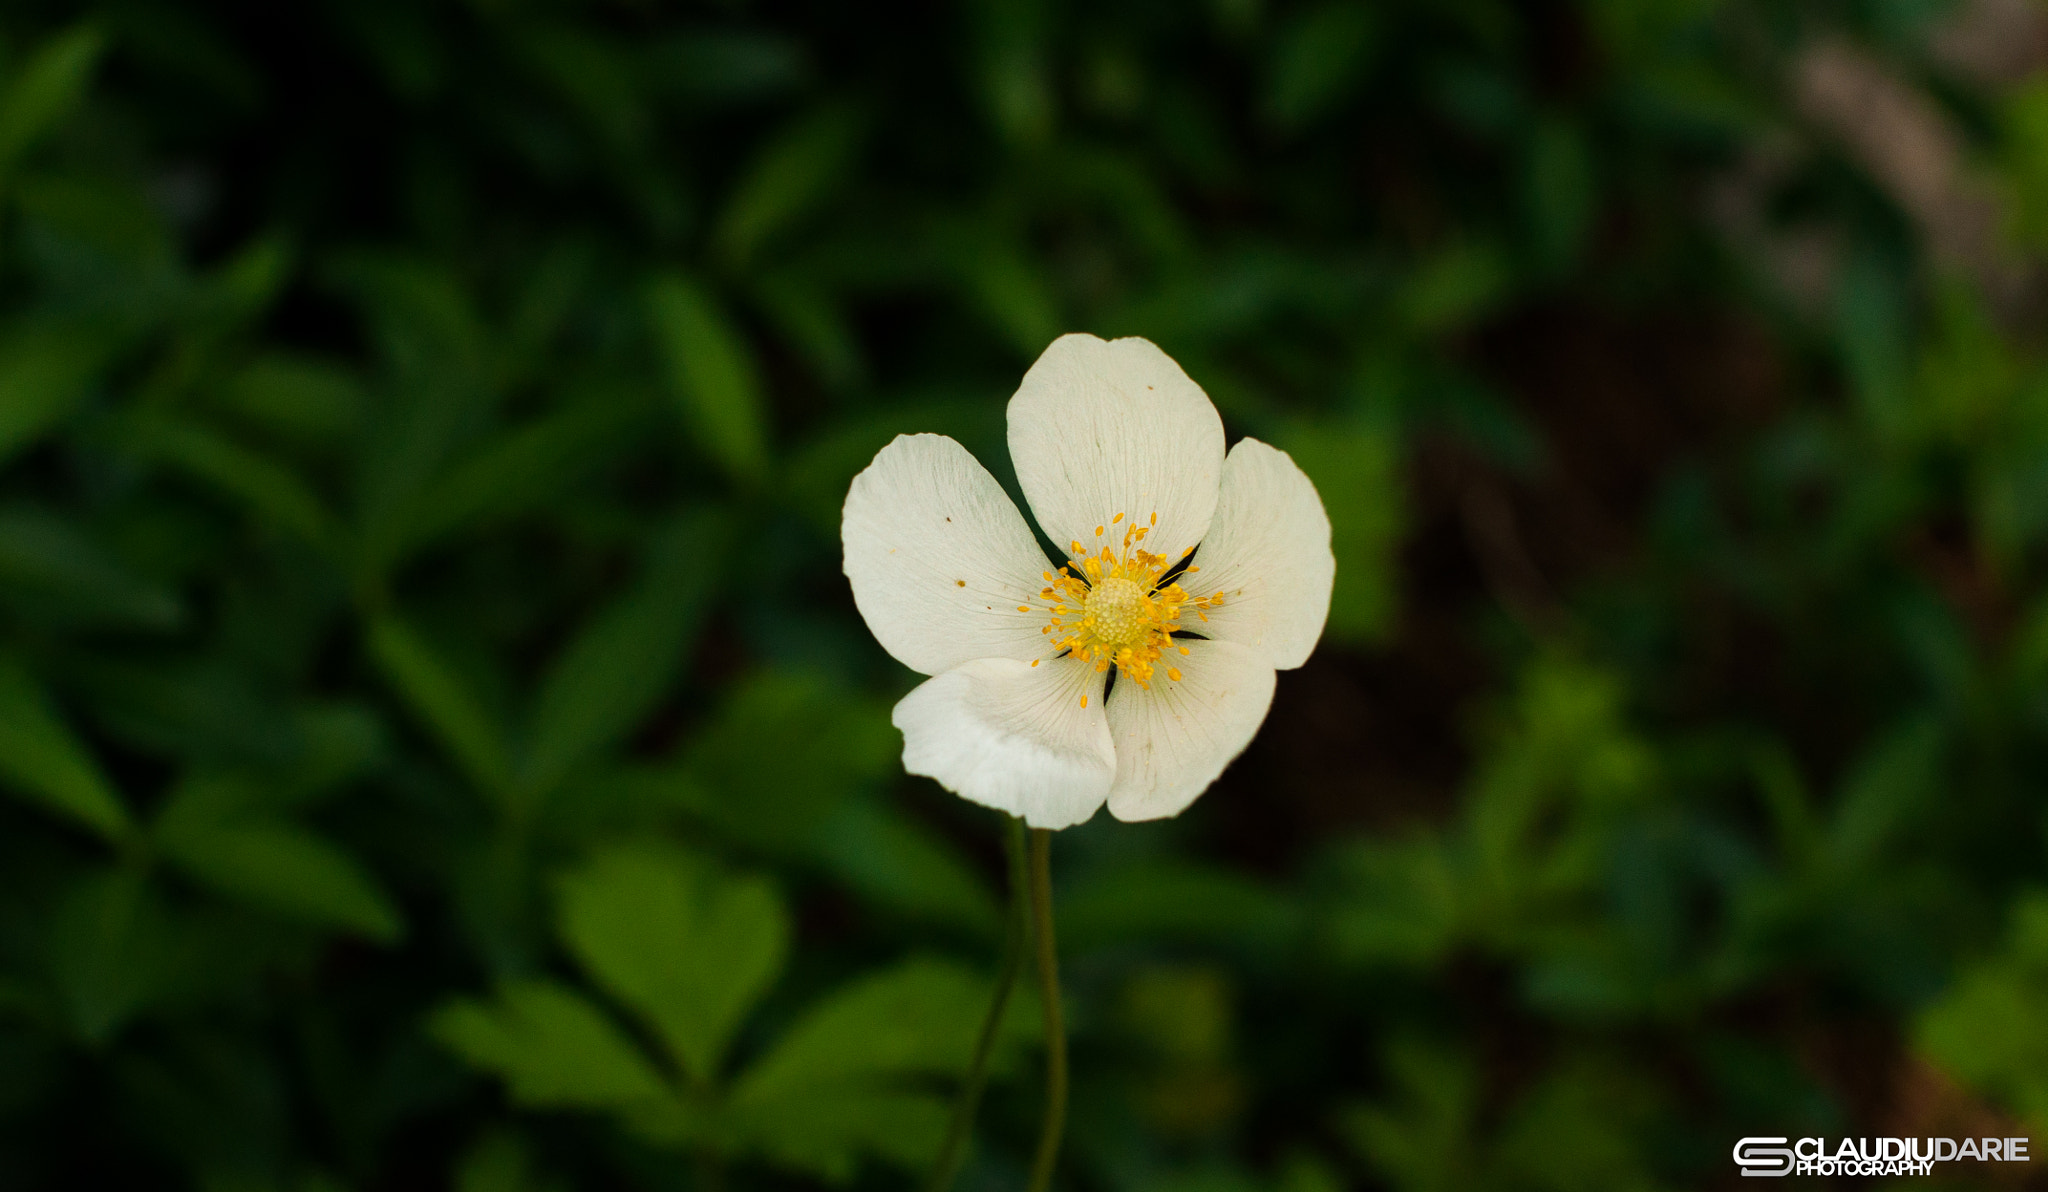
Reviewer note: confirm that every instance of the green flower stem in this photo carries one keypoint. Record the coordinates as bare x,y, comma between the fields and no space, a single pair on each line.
1016,938
1055,1024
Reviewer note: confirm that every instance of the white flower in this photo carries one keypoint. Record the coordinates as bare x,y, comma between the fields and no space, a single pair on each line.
1121,457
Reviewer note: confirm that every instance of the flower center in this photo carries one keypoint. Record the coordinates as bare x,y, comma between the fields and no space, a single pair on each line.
1116,609
1110,608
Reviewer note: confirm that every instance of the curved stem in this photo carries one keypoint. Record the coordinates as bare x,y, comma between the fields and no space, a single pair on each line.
1016,938
1055,1023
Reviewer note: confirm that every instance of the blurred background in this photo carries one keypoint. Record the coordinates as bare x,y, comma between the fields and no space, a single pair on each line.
441,751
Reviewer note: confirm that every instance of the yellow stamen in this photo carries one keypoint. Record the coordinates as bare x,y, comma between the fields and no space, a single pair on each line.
1110,608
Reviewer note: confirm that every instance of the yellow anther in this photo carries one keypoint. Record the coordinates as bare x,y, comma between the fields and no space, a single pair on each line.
1171,673
1112,608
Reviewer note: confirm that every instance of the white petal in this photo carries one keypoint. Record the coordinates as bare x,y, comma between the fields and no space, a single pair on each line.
1174,738
1012,736
1099,429
940,559
1268,553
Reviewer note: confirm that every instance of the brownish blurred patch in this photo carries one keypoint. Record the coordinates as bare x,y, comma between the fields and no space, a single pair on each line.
1375,739
1924,1103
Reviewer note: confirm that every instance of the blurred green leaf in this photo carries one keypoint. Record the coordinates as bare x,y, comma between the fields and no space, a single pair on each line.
1580,1127
553,1048
306,398
782,753
41,760
499,1162
2024,149
826,1132
711,375
247,283
814,322
1454,287
792,173
111,949
440,391
921,1016
1990,1028
689,948
613,672
211,834
1562,750
1897,777
1012,67
106,248
731,65
1304,1172
45,89
833,1087
1181,1013
521,469
1422,1138
1015,296
1356,473
1174,899
1393,903
895,862
1870,325
593,74
439,697
1560,193
273,491
54,562
45,371
1320,56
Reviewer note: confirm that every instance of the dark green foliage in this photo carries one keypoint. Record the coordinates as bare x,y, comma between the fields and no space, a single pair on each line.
440,750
